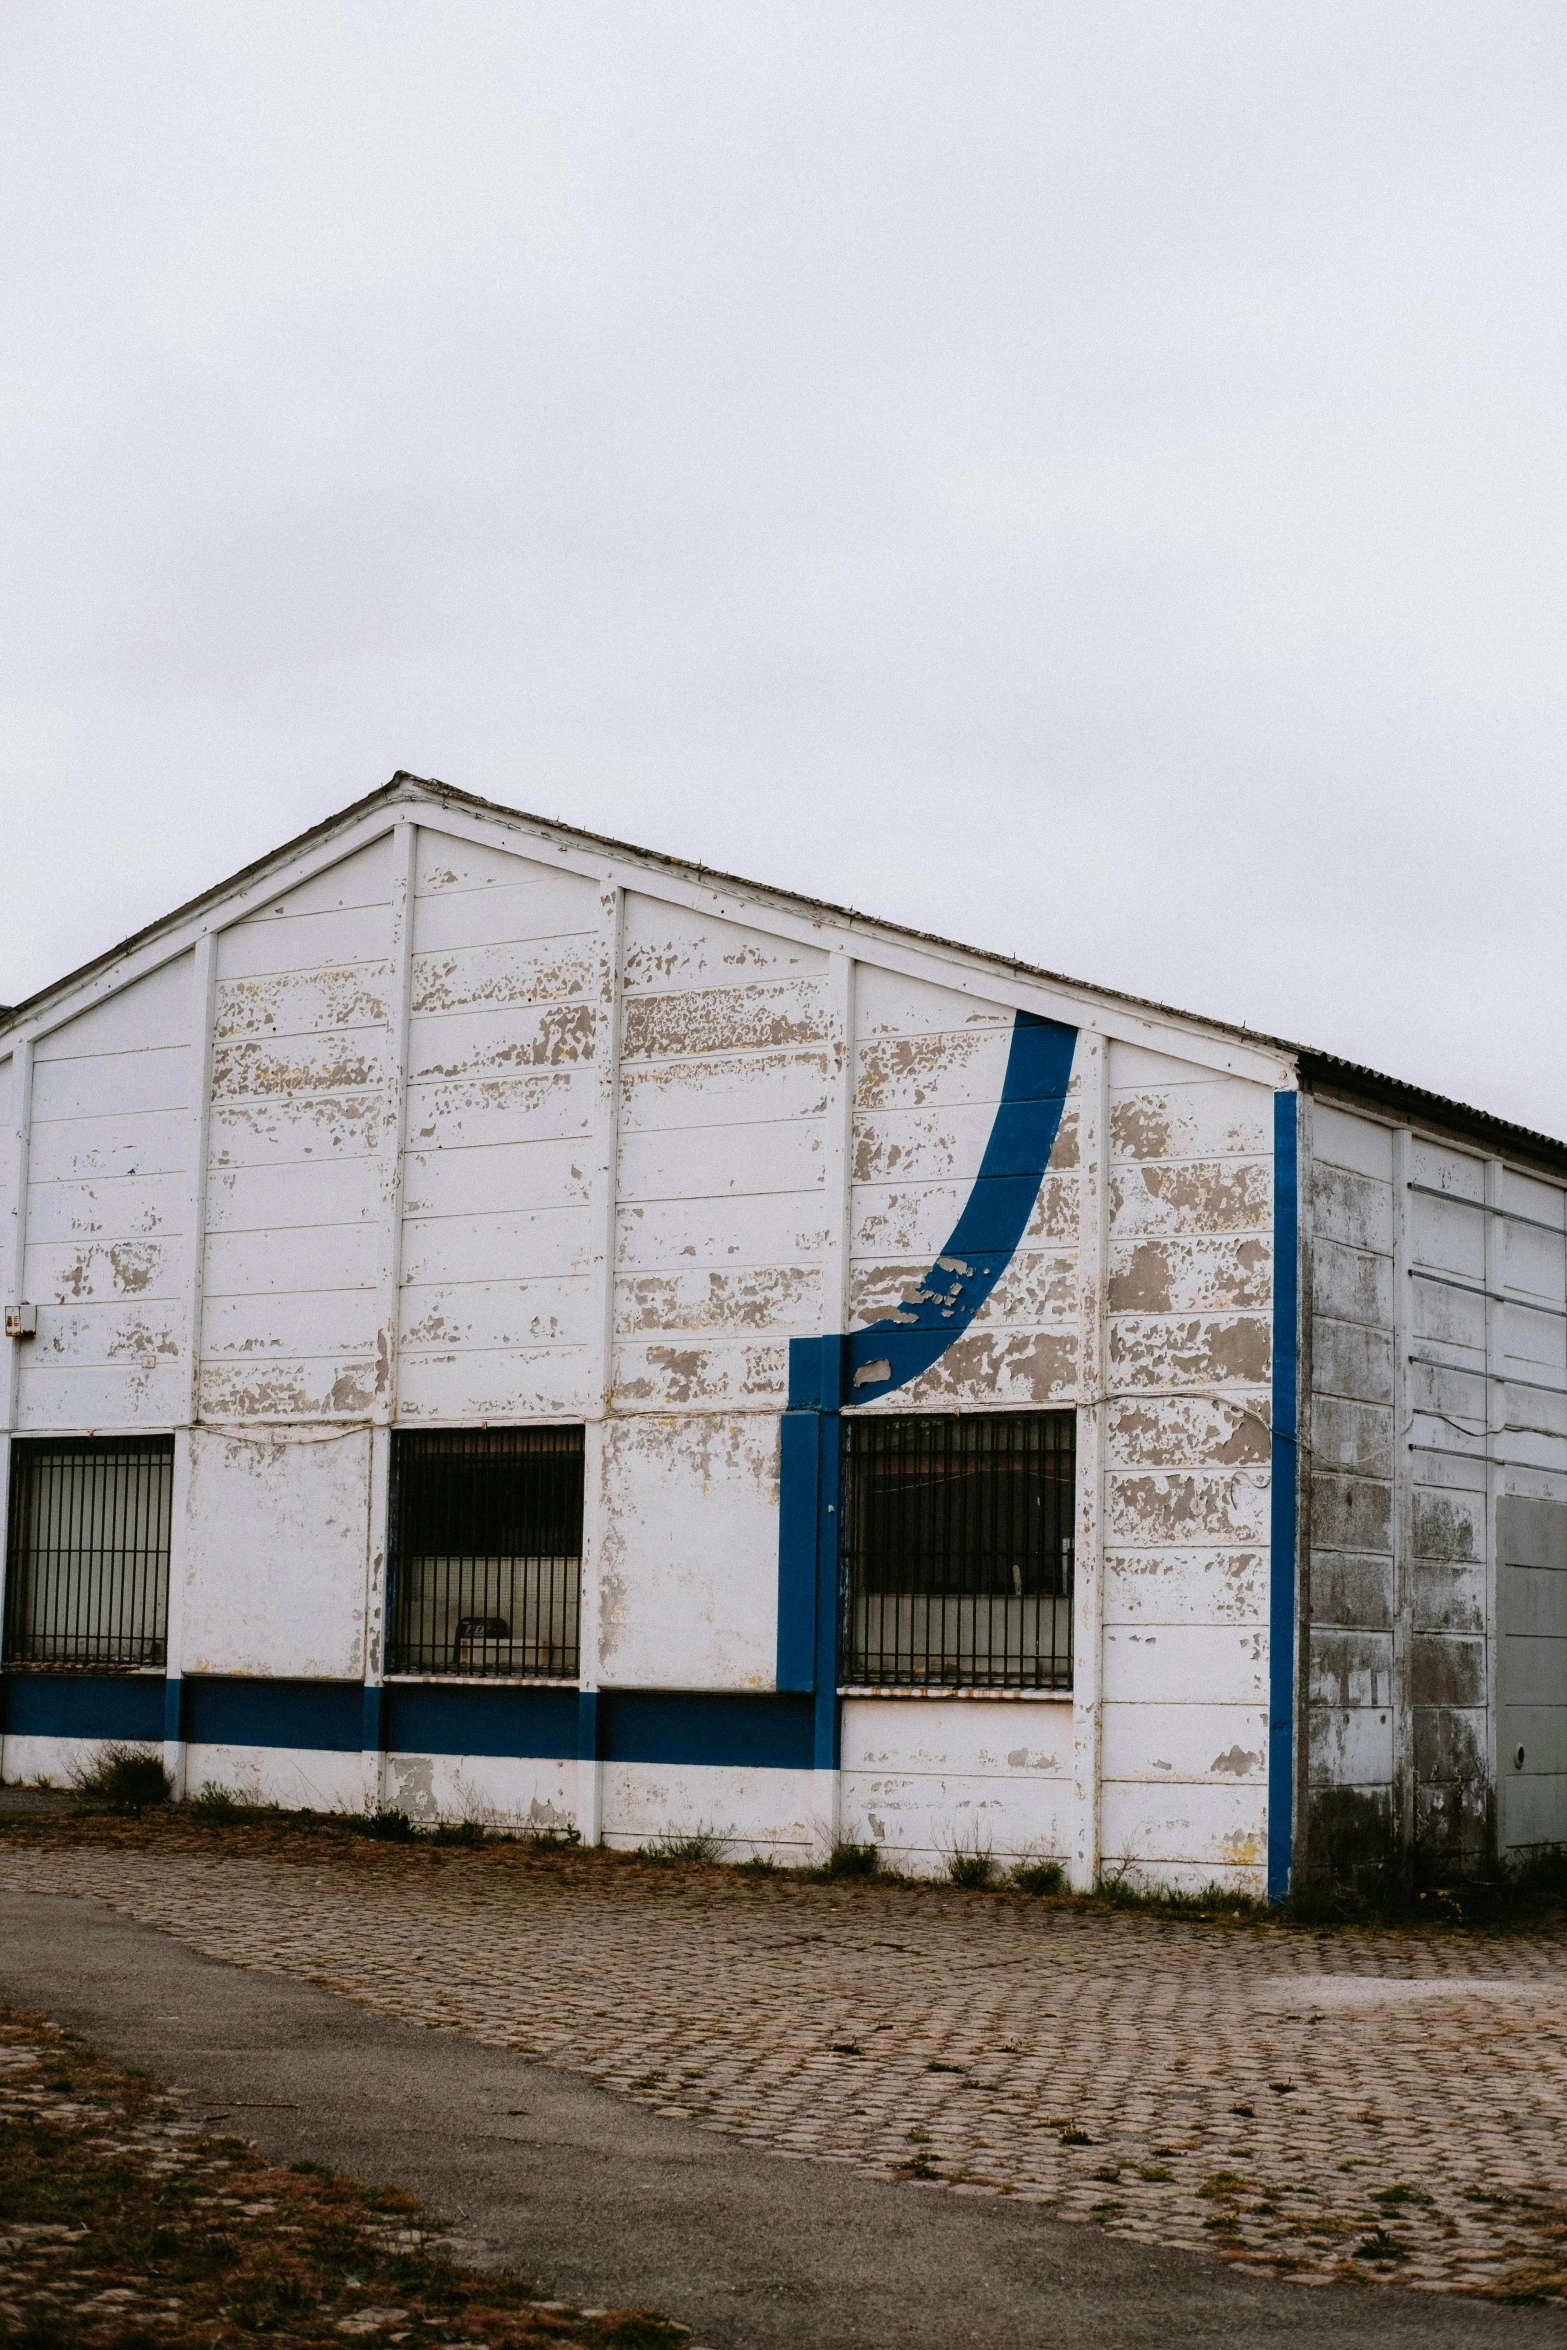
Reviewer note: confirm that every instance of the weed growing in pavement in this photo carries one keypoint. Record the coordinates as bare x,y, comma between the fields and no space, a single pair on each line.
126,1778
384,1822
465,1832
691,1844
1038,1876
1525,1900
562,1837
848,1859
972,1866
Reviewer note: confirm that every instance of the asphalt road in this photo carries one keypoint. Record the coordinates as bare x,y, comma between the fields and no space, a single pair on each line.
604,2203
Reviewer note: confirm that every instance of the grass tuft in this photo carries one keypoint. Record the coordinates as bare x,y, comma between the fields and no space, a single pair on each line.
126,1778
848,1859
700,1844
1038,1876
384,1825
972,1866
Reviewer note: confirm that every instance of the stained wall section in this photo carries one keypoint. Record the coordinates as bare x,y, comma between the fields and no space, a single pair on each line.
1439,1387
1189,1307
507,1023
108,1212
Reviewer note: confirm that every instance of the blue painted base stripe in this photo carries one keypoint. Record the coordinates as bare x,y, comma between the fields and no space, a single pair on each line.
1284,1454
760,1731
325,1715
443,1718
85,1705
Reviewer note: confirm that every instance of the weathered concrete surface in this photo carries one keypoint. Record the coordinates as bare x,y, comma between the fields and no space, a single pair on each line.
606,2203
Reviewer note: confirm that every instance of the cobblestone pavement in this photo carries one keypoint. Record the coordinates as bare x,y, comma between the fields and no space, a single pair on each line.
1388,2106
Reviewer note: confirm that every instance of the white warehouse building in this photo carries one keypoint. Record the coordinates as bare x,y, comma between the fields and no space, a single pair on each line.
502,1324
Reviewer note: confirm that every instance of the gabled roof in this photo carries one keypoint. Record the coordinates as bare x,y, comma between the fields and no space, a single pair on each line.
1319,1071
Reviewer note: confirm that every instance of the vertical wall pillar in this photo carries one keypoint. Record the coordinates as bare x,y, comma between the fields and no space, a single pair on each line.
388,1318
1401,1518
1283,1529
810,1509
1093,1220
193,1267
837,1202
1495,1472
599,1399
1305,1456
13,1265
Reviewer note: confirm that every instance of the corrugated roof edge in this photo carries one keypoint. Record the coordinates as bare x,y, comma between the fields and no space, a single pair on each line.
1318,1070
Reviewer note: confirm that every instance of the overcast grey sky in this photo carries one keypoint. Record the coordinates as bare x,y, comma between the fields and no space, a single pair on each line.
1086,479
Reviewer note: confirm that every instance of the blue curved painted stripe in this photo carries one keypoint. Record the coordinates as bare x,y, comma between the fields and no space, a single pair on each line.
994,1218
828,1374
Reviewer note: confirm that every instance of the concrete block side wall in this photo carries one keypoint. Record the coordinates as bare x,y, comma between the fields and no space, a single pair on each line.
1439,1386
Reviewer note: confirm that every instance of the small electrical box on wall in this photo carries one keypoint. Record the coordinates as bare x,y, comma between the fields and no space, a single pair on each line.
21,1321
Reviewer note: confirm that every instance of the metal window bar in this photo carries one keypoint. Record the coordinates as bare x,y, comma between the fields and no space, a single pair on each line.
958,1550
486,1552
87,1553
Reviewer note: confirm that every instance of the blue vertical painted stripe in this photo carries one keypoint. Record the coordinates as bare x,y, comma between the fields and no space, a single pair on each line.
1284,1456
799,1442
173,1713
587,1725
826,1737
370,1719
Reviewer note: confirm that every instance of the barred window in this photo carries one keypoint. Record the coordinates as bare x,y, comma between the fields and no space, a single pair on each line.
486,1551
87,1556
958,1549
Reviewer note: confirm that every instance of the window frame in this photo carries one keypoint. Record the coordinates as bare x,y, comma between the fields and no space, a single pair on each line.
408,1656
920,1668
143,1594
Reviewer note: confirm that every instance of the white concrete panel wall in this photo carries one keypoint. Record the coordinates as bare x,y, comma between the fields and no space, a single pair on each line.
275,1553
721,1225
515,1792
301,1115
753,1204
925,1778
726,1050
107,1211
505,1027
749,1810
688,1563
1184,1666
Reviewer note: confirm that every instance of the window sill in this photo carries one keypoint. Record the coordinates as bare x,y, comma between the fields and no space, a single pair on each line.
98,1671
481,1681
925,1694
